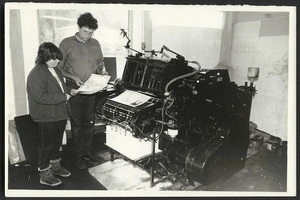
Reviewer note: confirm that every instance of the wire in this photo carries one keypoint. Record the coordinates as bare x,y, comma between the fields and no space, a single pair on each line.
162,120
182,76
169,106
142,133
170,116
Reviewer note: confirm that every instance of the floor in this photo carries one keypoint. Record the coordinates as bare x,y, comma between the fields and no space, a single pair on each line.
265,170
26,176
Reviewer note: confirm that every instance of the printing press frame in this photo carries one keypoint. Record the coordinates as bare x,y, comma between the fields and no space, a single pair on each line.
209,114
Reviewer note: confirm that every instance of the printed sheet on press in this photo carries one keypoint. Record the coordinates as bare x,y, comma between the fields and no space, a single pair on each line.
131,98
95,83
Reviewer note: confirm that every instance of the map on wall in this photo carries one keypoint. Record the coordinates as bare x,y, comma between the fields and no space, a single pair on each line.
280,68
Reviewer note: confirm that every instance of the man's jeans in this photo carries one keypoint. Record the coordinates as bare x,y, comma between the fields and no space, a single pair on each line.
82,123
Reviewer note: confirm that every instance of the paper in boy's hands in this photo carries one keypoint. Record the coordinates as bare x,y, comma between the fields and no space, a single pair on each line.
95,83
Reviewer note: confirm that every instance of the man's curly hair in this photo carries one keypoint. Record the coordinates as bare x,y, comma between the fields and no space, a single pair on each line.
87,19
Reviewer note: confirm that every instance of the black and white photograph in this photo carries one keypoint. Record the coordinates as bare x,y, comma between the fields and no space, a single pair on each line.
149,100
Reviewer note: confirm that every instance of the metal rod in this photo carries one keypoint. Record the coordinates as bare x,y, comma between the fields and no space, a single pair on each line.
153,157
140,53
144,73
112,153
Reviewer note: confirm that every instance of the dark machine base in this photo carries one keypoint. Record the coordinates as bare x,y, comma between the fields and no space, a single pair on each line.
221,155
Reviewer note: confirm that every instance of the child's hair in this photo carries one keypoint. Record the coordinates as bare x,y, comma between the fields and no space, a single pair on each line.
87,19
48,51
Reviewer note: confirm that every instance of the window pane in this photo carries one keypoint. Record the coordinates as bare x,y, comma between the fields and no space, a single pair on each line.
194,34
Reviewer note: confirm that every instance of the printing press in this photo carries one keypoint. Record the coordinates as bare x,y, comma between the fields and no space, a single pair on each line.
178,120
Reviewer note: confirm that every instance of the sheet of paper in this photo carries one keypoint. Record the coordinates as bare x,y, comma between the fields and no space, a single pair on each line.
131,98
95,83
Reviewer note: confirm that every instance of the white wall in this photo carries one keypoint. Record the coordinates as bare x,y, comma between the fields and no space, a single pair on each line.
253,48
23,40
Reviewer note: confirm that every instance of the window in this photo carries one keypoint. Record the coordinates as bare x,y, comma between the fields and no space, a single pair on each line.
192,33
55,25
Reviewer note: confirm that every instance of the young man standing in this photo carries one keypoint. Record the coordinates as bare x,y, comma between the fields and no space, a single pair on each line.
82,56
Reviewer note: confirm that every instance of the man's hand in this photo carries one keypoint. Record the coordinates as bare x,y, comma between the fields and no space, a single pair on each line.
78,81
73,92
104,73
